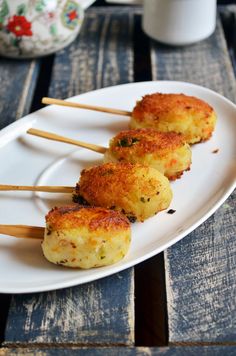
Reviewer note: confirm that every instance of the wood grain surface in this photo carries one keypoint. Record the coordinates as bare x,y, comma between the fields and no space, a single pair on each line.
17,84
206,63
201,269
123,351
102,55
98,313
18,80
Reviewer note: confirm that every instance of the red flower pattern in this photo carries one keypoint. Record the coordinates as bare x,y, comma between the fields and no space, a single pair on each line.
73,15
19,26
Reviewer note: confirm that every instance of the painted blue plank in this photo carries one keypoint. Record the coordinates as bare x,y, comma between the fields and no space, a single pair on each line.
18,80
206,63
201,269
126,351
94,313
101,56
201,281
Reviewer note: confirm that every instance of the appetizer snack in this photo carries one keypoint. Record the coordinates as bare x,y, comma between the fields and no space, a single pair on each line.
165,151
85,237
188,115
136,190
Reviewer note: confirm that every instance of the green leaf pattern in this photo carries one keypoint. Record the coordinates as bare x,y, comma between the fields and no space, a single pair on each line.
15,41
21,10
53,29
4,11
40,5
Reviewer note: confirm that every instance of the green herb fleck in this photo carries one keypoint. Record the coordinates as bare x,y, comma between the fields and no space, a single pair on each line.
102,257
49,231
107,173
131,218
127,141
142,199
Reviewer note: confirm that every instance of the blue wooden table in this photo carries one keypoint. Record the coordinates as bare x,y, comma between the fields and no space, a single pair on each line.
181,302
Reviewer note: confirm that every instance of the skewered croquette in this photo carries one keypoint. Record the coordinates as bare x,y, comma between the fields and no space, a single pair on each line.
136,190
188,115
85,237
165,151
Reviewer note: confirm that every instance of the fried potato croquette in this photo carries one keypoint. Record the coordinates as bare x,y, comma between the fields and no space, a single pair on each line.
85,237
165,151
188,115
136,190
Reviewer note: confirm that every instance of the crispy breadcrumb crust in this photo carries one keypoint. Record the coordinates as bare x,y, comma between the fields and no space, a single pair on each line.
188,115
85,237
125,187
94,218
165,151
146,140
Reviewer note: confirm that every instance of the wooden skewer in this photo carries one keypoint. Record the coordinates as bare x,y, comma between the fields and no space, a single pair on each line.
54,137
85,106
33,188
22,231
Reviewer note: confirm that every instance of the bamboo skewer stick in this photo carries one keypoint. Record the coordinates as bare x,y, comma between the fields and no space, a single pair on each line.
52,189
33,188
54,137
22,231
46,100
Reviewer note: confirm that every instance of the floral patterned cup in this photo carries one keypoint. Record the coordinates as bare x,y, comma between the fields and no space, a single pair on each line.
32,28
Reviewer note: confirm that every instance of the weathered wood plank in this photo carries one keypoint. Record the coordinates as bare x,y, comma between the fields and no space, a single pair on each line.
228,18
201,269
101,312
101,56
95,313
126,351
201,281
206,63
18,80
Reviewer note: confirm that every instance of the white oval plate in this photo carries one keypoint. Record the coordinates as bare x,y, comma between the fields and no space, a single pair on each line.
30,160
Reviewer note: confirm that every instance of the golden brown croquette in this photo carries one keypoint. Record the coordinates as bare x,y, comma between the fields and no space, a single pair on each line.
184,114
85,237
136,190
165,151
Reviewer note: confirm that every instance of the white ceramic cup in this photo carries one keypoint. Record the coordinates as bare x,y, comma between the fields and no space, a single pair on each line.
177,22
